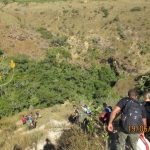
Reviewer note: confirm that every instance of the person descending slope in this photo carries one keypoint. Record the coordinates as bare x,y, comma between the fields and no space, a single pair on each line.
133,117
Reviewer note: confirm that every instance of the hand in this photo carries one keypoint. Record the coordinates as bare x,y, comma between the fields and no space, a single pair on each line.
110,127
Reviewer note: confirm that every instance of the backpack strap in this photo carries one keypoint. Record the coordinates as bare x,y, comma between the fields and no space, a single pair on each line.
129,101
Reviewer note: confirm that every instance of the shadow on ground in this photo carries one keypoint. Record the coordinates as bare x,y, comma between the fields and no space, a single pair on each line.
48,145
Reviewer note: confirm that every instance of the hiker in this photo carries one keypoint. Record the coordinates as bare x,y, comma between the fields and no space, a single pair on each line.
84,117
76,115
23,120
133,116
36,115
27,118
104,117
30,118
147,106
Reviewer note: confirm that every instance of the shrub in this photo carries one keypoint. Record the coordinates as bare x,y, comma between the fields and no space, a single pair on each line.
45,33
105,11
116,18
76,139
144,51
5,2
58,41
137,8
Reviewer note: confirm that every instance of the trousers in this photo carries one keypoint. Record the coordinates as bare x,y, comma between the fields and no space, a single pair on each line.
122,139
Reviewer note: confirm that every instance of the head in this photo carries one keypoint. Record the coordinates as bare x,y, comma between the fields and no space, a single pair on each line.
147,96
75,107
132,94
104,105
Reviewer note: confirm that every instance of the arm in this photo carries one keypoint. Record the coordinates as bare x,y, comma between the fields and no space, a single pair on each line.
144,121
112,117
76,114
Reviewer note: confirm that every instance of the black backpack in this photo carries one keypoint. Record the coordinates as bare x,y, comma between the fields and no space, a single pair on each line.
147,106
132,116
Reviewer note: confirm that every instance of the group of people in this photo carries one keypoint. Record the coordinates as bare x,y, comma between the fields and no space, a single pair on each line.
135,119
81,115
30,120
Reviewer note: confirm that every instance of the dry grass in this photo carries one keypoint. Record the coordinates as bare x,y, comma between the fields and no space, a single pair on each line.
75,139
8,141
119,29
13,133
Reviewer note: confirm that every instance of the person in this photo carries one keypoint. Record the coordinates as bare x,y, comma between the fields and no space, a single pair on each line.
108,112
37,115
23,120
85,117
105,115
76,115
141,117
30,118
147,106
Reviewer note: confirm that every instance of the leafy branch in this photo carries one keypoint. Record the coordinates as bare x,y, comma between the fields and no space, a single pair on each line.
12,65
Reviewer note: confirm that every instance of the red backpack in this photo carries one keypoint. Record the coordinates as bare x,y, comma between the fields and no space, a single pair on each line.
102,116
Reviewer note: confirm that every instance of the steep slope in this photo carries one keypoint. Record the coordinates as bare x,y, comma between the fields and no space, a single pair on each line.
114,33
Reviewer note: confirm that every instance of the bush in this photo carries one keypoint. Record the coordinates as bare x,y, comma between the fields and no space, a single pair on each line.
51,81
76,139
58,40
45,33
105,11
116,18
137,8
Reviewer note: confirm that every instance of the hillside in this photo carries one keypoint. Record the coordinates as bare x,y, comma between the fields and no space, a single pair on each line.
114,33
80,51
53,132
50,126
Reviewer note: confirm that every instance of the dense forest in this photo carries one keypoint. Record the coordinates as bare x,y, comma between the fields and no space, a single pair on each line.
50,81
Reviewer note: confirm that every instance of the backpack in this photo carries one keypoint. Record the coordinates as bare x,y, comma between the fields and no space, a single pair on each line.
102,116
88,111
132,116
110,108
147,106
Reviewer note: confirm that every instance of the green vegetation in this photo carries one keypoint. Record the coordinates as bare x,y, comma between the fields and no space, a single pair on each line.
105,11
137,8
27,1
54,40
143,83
144,48
51,81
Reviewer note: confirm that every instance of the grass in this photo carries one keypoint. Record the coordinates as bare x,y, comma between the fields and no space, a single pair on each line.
42,1
21,141
14,134
37,1
76,139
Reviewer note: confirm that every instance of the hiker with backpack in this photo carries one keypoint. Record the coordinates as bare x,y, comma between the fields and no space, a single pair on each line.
147,106
23,120
85,115
105,115
133,118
